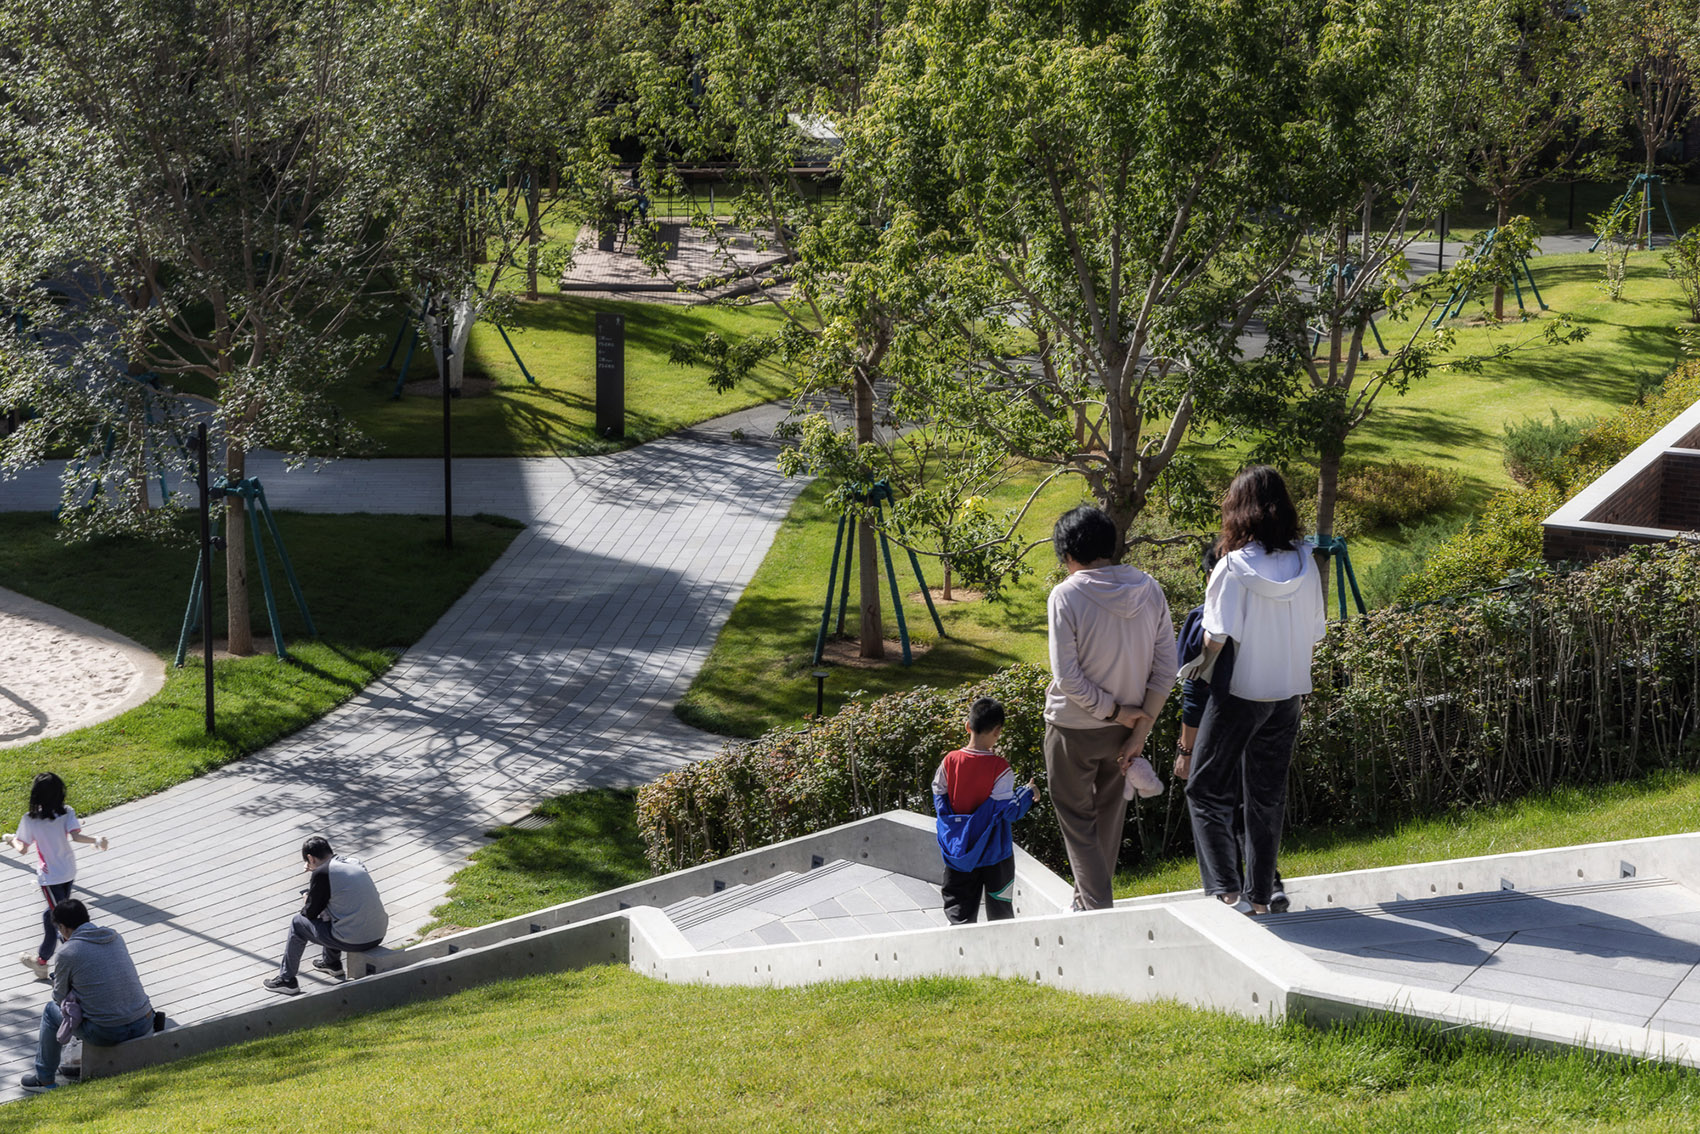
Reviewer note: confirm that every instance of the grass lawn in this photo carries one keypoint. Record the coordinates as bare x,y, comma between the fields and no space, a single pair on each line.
555,334
1549,206
605,1049
758,673
374,584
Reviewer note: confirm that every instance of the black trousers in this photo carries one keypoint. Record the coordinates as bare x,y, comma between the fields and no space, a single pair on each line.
962,889
1240,760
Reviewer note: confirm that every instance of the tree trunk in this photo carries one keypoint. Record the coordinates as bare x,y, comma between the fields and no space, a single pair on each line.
872,636
944,591
1327,492
533,229
236,613
1500,216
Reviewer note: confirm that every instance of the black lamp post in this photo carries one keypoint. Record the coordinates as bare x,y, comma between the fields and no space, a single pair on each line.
820,676
448,324
198,446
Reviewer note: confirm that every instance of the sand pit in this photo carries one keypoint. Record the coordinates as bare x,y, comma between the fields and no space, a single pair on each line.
59,672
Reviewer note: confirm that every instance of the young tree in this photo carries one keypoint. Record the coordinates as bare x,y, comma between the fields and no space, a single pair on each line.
1524,95
741,78
1647,57
486,97
191,191
1090,208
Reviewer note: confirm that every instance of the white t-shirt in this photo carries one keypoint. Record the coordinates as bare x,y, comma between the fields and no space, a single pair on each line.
52,841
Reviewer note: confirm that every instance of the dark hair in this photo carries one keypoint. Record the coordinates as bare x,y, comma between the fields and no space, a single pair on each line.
984,715
1257,509
71,913
316,847
1085,535
47,797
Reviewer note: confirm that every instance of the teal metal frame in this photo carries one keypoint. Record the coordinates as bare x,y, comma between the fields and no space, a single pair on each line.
250,489
875,496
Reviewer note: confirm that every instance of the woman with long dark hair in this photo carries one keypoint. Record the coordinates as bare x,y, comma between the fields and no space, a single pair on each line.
50,827
1264,595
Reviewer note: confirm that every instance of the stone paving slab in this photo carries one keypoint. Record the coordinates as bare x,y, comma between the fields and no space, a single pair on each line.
1624,952
813,906
556,671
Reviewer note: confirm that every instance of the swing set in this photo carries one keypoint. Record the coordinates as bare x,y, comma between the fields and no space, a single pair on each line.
1641,185
1454,305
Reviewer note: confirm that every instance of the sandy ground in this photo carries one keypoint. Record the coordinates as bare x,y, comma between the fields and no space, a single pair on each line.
59,672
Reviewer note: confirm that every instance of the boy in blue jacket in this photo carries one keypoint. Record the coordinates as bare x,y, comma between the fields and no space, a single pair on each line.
976,799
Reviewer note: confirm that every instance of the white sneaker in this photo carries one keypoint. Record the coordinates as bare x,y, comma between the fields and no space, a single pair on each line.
35,965
1141,778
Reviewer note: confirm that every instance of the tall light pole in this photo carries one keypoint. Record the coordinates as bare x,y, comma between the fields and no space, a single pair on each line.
448,311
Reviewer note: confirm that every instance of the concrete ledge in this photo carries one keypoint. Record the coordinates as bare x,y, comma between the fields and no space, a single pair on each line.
601,941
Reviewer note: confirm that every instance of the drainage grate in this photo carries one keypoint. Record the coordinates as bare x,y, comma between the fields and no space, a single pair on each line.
533,822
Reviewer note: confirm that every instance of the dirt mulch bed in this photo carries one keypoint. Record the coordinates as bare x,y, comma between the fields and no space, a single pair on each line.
845,652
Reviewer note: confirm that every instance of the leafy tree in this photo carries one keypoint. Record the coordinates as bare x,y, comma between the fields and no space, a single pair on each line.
1647,56
486,97
735,87
192,191
1525,93
1090,208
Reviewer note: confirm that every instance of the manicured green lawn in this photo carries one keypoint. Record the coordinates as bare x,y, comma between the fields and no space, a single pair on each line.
555,334
605,1049
374,585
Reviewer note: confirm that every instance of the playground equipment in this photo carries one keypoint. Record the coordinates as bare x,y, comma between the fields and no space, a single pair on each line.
1349,273
410,321
1454,305
156,412
873,496
1641,184
1334,547
248,489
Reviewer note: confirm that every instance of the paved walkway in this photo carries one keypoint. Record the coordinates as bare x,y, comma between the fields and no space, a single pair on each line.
558,670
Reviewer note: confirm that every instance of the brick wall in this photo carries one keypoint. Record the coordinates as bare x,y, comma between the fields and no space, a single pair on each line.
1679,495
1636,504
1572,546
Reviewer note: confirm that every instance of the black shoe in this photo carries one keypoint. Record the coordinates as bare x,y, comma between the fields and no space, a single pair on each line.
326,967
1278,901
35,1086
289,986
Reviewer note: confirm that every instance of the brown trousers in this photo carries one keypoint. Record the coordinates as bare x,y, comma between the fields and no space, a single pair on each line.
1085,782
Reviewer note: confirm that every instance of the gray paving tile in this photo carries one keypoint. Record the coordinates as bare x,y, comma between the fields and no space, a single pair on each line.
776,933
534,682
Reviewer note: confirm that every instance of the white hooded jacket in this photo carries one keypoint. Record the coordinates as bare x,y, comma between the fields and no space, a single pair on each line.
1270,604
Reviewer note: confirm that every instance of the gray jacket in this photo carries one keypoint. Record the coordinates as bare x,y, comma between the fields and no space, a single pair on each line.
342,893
95,965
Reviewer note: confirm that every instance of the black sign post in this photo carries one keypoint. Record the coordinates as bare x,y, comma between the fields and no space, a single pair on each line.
610,375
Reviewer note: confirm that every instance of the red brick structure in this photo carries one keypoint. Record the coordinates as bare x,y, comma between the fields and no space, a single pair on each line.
1651,496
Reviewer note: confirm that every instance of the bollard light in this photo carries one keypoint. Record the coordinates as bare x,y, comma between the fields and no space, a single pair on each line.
820,691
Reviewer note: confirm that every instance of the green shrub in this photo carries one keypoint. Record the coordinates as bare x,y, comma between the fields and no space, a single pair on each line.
1380,584
1586,677
1377,495
1505,538
1538,452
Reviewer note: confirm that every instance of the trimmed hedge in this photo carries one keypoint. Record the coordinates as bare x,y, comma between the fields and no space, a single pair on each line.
1579,678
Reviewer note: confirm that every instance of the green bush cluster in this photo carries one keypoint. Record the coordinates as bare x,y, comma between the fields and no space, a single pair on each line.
1377,495
868,758
1538,452
1584,677
1506,536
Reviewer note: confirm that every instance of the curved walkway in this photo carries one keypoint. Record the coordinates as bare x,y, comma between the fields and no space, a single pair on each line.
556,671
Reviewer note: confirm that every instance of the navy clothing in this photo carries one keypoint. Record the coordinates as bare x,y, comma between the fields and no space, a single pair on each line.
962,890
981,837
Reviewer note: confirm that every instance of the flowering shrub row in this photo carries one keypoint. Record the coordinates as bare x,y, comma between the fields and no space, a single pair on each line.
1579,678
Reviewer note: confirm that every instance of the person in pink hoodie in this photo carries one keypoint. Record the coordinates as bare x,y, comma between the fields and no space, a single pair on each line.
1112,645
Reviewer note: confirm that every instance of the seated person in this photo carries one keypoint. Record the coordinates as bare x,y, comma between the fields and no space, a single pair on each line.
94,965
343,913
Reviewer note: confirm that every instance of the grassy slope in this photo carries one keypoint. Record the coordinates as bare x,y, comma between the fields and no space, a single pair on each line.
606,1049
758,673
556,337
374,584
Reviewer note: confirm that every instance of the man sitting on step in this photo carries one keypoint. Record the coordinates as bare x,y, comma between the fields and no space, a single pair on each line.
342,914
95,991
